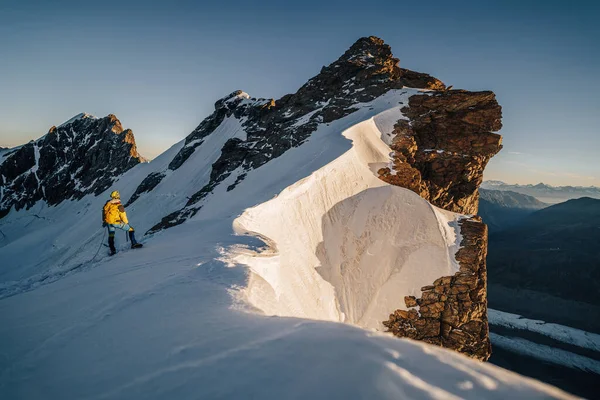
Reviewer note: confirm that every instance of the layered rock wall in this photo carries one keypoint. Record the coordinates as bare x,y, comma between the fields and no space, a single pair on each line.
452,311
440,152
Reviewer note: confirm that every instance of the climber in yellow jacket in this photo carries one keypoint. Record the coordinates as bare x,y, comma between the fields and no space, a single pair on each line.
114,217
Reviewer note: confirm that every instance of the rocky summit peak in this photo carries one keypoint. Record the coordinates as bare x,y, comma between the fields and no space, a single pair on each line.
114,122
84,155
440,145
366,71
231,99
369,52
78,117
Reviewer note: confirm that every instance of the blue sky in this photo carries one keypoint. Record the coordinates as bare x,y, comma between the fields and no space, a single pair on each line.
160,66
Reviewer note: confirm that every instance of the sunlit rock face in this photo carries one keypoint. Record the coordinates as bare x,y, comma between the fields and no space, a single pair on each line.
452,311
440,151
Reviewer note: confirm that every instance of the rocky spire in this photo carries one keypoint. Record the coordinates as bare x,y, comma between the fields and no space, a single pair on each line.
440,152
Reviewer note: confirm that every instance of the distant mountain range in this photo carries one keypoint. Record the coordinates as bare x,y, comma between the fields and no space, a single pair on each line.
503,209
543,264
550,263
546,193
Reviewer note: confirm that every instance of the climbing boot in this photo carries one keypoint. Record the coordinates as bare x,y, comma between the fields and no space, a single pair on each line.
111,245
134,243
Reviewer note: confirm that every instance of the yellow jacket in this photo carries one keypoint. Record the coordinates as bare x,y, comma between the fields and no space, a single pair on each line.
114,213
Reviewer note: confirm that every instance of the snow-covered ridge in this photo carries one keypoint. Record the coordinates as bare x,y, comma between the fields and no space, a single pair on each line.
344,245
548,354
588,342
161,323
77,118
274,127
239,95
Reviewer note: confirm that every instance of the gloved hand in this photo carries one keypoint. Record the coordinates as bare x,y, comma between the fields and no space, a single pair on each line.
104,224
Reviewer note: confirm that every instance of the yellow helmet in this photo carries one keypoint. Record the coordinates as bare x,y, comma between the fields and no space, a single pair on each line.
115,195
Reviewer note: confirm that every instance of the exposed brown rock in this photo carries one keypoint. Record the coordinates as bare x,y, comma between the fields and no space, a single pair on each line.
441,151
453,311
364,72
410,301
421,80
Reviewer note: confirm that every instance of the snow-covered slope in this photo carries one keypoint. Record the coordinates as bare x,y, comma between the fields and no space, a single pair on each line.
346,246
160,323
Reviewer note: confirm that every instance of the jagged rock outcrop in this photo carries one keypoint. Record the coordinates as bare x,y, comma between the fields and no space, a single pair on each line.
440,152
149,183
82,156
452,311
364,72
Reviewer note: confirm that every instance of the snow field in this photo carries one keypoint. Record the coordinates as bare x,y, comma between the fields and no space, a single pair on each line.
161,325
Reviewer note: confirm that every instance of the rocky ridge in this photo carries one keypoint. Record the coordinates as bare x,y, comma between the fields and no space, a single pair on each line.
82,156
364,72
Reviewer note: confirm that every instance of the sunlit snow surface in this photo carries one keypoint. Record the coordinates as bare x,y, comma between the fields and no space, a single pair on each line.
168,321
344,245
78,117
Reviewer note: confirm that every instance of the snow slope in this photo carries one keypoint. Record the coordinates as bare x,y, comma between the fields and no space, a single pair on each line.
76,118
168,321
587,342
160,324
75,226
346,246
